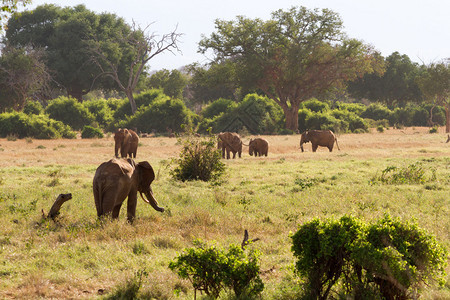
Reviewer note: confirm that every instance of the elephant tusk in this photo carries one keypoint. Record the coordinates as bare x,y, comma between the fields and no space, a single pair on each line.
143,198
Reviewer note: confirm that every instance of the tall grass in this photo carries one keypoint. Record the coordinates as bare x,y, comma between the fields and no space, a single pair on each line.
80,257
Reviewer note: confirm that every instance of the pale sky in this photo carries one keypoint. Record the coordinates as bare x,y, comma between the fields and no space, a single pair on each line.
417,28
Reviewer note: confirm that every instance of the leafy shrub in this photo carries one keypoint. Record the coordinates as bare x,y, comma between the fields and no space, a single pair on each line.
160,115
34,126
387,259
33,108
199,160
380,128
70,112
102,112
211,269
90,132
303,115
142,100
324,121
217,107
315,105
433,129
414,173
129,289
376,111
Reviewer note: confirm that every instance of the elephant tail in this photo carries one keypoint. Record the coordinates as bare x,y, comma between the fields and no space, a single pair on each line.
335,139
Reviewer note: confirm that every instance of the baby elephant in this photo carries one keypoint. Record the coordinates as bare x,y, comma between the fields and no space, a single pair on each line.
259,146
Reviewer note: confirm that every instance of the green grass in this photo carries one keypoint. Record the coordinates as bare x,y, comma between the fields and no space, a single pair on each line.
78,256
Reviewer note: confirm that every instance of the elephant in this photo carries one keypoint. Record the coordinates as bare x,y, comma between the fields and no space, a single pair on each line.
259,146
229,141
324,138
448,139
127,141
118,179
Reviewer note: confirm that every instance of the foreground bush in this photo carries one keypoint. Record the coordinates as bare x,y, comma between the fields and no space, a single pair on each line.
199,160
388,259
211,269
40,126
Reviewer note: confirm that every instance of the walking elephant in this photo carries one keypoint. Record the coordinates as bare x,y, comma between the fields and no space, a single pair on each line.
127,141
324,138
118,179
229,142
259,146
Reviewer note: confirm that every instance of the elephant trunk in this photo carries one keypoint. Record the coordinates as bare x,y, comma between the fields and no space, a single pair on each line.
151,200
301,145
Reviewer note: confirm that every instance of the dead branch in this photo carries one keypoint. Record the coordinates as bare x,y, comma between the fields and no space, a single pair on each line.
246,241
54,211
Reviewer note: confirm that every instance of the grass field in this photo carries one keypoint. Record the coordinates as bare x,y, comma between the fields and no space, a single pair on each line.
76,257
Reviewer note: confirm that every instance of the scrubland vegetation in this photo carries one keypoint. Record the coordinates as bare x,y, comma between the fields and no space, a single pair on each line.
79,257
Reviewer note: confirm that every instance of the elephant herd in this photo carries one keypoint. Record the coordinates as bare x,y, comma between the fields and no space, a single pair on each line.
231,142
121,177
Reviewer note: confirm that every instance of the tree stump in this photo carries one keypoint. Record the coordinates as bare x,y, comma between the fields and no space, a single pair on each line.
54,211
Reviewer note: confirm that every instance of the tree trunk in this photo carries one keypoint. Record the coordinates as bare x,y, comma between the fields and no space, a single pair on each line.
130,96
291,115
447,118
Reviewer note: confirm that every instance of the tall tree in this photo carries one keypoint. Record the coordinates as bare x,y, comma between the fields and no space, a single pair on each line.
296,55
395,87
172,82
23,75
138,48
434,82
65,33
9,7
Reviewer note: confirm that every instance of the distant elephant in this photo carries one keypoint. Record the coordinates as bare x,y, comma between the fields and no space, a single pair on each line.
127,141
324,138
259,146
118,179
229,141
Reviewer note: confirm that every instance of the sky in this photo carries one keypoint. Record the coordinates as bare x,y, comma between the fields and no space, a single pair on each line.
417,28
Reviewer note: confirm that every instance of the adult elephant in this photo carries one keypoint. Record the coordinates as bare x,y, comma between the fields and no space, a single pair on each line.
118,179
258,146
125,140
323,138
229,142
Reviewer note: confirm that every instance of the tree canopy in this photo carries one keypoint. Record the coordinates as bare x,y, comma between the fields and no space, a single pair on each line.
296,55
64,34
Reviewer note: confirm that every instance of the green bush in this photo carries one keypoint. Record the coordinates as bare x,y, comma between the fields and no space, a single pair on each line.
303,115
90,132
199,160
70,112
414,173
34,126
217,107
315,105
143,99
161,115
102,112
389,259
380,128
211,269
433,129
376,112
324,121
33,108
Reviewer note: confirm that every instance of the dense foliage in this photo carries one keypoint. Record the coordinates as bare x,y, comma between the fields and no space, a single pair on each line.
90,132
211,269
69,111
199,160
390,258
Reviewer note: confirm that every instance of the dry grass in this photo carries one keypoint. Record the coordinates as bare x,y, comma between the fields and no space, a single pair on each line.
76,257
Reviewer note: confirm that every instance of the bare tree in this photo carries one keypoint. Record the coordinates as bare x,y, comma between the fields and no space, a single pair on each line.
144,46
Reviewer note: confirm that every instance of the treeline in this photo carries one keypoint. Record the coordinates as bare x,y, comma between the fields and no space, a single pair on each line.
160,114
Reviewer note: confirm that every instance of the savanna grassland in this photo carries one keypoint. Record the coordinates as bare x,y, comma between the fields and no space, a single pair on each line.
78,257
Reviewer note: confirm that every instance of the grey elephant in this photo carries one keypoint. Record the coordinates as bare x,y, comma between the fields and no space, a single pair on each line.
258,146
229,142
118,179
323,138
125,140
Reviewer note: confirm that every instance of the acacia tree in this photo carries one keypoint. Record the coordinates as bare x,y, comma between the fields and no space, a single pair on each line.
434,82
296,55
138,47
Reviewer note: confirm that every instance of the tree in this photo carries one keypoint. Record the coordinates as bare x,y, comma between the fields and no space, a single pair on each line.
434,82
65,33
171,82
296,55
22,75
396,86
138,48
9,7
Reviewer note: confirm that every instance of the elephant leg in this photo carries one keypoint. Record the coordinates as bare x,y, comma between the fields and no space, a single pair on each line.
330,148
234,155
314,147
112,198
228,154
116,210
131,206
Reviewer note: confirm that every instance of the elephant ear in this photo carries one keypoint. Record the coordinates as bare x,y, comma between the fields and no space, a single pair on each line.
146,174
